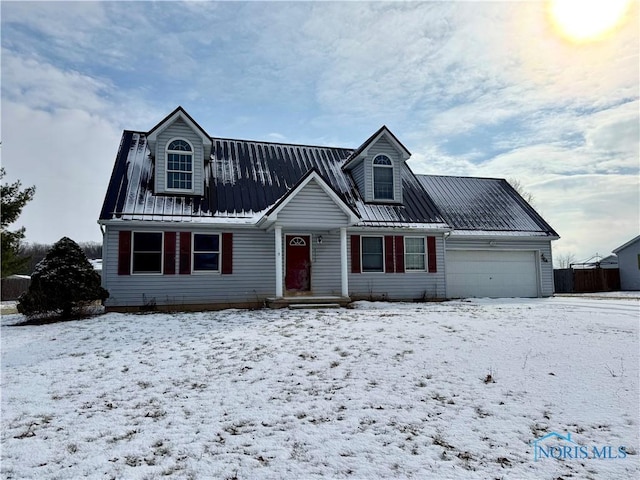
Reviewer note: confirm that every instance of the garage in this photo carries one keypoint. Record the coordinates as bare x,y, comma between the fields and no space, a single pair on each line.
491,273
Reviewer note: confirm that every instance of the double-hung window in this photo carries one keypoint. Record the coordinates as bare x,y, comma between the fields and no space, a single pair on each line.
147,252
415,258
179,165
206,252
372,254
382,178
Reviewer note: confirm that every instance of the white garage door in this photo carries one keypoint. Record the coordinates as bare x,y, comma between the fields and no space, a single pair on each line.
479,273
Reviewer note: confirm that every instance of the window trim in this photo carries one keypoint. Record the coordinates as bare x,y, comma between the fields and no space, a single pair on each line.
166,166
373,177
424,254
362,268
133,243
218,271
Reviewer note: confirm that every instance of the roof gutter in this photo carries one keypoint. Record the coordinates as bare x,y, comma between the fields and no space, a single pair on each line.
177,225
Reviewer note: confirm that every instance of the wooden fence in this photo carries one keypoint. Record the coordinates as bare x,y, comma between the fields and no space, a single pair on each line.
568,280
12,287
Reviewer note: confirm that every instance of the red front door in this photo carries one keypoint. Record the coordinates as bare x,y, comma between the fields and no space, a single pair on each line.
298,271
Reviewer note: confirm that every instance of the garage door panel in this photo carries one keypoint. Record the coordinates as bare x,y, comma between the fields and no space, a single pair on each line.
478,273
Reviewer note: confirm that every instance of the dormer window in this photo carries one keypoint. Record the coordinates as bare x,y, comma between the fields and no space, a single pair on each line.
179,165
382,178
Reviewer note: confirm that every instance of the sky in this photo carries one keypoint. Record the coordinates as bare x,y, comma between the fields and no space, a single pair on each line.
488,89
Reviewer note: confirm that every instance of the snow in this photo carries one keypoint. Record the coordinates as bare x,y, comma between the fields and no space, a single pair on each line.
385,390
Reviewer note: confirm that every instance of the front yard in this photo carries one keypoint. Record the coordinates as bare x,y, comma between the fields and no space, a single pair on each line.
436,390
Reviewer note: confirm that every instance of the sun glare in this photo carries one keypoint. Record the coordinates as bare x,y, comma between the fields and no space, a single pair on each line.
587,20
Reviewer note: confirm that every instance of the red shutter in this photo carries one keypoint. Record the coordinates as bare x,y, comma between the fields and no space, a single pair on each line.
124,253
227,253
169,253
355,253
399,246
185,253
431,254
388,255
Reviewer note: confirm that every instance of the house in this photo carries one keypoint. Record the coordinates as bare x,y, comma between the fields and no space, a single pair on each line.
195,221
629,264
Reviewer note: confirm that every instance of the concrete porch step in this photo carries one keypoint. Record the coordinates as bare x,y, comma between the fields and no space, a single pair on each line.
300,306
308,302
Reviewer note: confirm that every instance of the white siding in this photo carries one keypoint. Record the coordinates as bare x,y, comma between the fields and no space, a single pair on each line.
179,129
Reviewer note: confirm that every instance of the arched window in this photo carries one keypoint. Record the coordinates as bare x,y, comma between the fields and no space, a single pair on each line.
179,165
297,242
382,178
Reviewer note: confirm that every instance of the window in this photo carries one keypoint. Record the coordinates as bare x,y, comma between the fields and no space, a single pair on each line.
179,165
206,252
382,178
372,254
147,252
414,254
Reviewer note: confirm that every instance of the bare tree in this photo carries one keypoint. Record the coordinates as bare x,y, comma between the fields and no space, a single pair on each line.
519,187
564,260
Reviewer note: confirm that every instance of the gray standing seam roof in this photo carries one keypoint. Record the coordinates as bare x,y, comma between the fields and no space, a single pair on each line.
487,204
244,178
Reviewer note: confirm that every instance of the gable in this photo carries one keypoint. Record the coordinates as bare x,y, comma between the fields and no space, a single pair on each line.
312,206
358,155
311,203
382,146
179,129
372,180
179,114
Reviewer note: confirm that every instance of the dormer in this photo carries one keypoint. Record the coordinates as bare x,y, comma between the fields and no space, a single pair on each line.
180,147
376,167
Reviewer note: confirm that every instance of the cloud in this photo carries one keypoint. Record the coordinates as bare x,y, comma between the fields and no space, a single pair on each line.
592,213
68,155
40,85
61,131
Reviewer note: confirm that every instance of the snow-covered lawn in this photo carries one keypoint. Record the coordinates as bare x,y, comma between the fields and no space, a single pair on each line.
437,390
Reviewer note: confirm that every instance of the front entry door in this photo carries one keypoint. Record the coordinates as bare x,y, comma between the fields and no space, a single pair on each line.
298,270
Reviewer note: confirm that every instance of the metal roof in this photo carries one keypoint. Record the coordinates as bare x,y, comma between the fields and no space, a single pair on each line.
243,179
483,205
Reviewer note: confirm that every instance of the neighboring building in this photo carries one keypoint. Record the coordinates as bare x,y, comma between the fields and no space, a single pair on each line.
610,262
194,221
597,261
629,264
